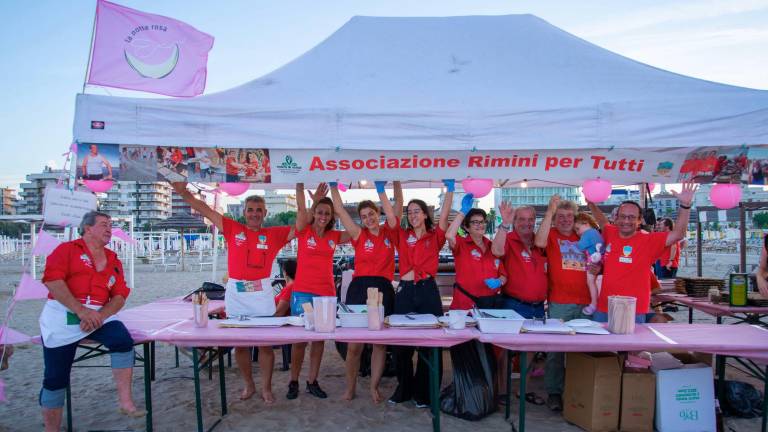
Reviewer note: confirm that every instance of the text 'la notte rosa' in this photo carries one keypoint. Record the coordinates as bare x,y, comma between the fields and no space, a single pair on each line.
595,162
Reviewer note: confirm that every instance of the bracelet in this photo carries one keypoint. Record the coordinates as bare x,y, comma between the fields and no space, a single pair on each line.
685,207
505,227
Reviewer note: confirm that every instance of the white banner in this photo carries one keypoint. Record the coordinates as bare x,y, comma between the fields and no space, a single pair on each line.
65,207
557,166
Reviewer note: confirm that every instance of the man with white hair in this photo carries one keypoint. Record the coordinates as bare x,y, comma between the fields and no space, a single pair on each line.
87,288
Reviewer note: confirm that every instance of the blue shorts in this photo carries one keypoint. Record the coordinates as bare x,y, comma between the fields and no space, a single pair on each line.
298,299
527,310
603,317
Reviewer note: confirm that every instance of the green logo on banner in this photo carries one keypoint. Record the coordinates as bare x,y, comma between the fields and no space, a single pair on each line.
288,166
72,319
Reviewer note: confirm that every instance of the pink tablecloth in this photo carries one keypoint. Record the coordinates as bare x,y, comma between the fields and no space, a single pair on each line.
186,334
714,309
748,341
146,320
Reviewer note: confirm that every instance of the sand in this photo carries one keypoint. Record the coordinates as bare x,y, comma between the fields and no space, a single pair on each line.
94,398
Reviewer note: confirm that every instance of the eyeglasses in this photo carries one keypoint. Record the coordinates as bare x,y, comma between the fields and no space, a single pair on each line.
627,217
477,222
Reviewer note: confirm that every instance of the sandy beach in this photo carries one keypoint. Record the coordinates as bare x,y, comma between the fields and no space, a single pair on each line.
94,398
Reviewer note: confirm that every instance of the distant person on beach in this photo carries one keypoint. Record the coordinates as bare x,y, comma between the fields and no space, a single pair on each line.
93,163
87,288
252,250
283,299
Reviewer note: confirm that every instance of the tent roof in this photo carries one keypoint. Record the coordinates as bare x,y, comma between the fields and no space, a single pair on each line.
451,83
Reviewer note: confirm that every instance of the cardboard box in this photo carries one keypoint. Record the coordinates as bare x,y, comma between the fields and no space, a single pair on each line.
592,391
685,399
638,400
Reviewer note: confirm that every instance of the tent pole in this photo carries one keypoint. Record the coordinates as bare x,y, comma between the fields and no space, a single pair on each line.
215,253
698,248
32,242
90,49
742,238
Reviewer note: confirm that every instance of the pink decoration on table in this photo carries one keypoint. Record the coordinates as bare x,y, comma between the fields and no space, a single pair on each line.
478,187
597,190
234,189
725,196
45,244
122,235
30,289
136,50
99,186
343,187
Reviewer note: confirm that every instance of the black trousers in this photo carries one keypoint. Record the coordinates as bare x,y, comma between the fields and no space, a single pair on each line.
419,297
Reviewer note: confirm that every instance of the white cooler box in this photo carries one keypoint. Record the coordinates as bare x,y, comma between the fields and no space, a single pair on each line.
500,321
357,318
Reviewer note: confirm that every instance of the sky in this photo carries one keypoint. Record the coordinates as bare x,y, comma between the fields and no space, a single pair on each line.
45,46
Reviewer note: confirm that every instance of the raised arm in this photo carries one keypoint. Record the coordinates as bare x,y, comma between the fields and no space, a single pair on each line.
600,217
199,205
445,210
352,228
685,199
466,206
393,220
302,215
546,224
499,243
398,191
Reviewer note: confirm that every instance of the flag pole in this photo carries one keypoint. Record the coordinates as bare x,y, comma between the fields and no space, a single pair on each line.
90,47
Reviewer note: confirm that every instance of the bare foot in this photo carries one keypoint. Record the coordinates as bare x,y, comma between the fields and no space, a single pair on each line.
247,392
268,397
376,396
348,395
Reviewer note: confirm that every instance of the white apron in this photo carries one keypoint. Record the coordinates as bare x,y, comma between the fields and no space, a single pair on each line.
59,326
249,298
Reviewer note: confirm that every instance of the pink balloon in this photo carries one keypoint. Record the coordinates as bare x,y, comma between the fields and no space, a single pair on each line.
343,187
597,190
99,186
651,186
725,196
477,187
234,189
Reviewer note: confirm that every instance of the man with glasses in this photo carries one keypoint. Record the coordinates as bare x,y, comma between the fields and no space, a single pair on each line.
630,252
567,283
251,251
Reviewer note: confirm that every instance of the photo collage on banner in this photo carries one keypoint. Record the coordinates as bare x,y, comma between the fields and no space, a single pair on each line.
194,164
98,162
716,165
758,166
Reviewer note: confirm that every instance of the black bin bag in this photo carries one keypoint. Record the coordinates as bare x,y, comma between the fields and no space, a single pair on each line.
470,396
742,400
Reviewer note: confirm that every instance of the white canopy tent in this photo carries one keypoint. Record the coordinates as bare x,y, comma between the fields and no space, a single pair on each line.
470,83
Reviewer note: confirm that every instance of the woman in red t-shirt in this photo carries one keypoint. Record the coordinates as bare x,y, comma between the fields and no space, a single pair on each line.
374,267
317,242
418,249
478,271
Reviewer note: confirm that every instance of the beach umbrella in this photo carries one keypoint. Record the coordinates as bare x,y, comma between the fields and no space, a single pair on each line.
182,222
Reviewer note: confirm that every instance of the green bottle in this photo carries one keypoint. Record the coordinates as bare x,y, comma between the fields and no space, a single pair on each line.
738,288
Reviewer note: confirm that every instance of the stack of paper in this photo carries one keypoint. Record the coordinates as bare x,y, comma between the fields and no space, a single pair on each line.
413,321
255,322
551,326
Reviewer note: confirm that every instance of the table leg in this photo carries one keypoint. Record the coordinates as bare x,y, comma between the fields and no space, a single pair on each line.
690,314
222,383
198,403
720,371
523,373
434,388
765,402
176,353
152,360
68,394
509,384
147,386
719,319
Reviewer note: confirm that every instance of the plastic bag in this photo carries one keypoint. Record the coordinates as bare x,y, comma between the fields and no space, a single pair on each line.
742,400
470,396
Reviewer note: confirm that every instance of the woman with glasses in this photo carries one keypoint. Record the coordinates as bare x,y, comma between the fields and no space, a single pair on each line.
418,251
478,271
374,268
314,277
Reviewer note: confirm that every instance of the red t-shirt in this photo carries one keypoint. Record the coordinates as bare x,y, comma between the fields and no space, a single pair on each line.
566,269
664,257
473,267
526,270
626,265
230,168
420,255
252,252
314,274
285,294
73,263
375,254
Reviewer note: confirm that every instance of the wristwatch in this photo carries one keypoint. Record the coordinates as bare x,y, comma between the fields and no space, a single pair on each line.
505,227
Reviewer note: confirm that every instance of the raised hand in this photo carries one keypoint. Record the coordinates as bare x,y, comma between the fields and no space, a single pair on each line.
554,200
380,184
450,185
333,184
466,203
179,187
320,192
507,213
685,196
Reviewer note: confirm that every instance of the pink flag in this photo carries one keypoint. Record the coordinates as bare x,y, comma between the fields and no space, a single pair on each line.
30,289
139,51
9,336
122,235
45,244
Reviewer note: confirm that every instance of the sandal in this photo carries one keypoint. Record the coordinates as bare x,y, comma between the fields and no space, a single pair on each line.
533,398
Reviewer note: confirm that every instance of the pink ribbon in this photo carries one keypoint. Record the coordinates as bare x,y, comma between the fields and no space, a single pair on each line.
45,244
30,289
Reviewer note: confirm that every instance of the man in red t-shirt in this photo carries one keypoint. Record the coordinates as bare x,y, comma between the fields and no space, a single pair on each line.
567,283
251,251
629,252
87,288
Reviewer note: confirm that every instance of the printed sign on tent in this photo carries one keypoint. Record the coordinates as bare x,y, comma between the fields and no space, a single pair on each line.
213,164
98,161
758,165
715,164
565,166
65,207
